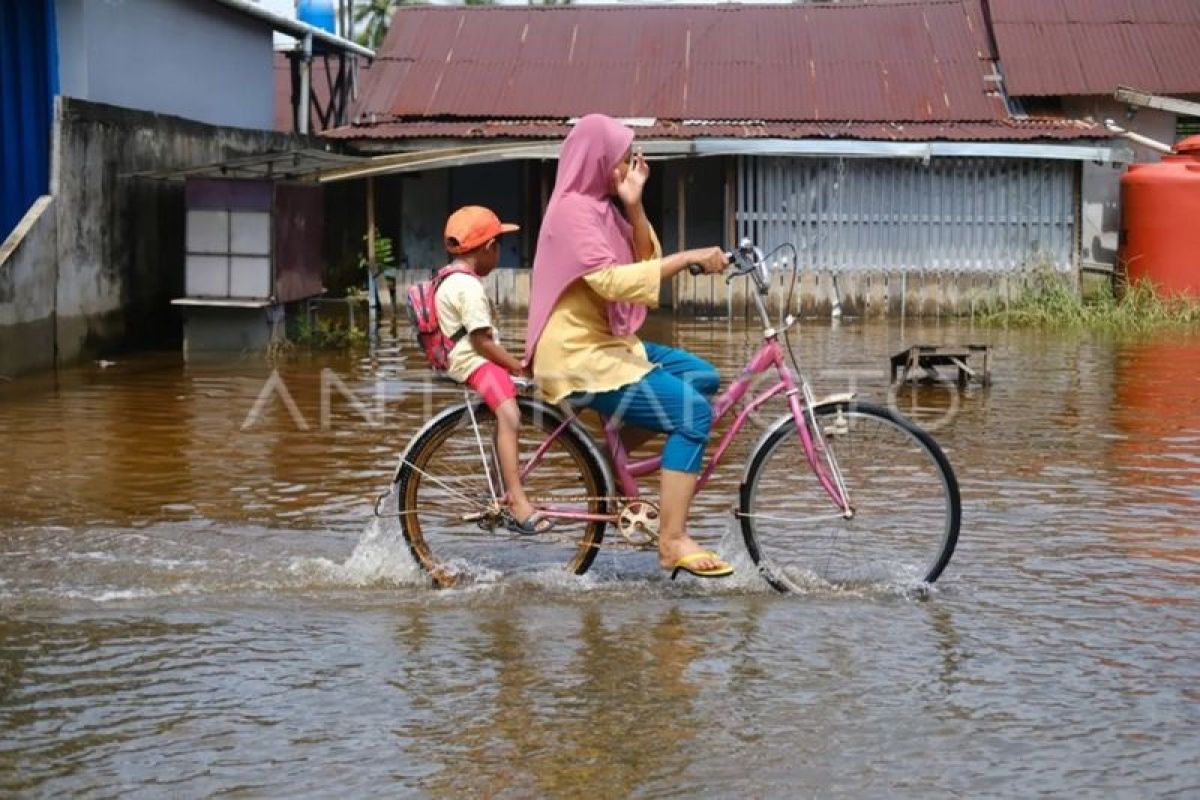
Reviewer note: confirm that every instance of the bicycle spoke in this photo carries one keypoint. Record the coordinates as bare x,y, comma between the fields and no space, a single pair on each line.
454,472
905,504
439,481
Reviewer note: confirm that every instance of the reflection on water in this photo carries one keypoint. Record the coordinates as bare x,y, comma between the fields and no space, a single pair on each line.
193,600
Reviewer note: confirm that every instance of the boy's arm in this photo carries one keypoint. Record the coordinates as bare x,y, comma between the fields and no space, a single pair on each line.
486,346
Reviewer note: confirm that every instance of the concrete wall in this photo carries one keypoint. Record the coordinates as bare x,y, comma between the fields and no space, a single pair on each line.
119,239
27,276
862,293
191,58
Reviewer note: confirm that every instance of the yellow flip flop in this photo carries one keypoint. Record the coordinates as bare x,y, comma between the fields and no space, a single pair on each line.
712,572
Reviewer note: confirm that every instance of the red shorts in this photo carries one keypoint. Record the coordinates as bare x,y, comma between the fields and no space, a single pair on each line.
493,382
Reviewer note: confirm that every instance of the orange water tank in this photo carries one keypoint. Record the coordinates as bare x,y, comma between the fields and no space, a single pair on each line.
1160,220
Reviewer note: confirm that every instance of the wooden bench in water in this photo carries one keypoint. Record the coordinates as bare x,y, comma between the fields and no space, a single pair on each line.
922,361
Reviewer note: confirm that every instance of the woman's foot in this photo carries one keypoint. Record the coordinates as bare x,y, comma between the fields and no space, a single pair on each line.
672,552
686,563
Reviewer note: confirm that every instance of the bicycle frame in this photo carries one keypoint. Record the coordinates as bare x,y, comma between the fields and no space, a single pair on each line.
769,355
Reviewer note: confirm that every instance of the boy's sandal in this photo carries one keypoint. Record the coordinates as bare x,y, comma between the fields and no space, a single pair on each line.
535,523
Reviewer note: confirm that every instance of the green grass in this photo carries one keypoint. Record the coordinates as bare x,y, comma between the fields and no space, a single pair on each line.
1049,301
325,334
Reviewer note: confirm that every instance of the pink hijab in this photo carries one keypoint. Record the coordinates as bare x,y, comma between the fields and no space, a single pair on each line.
582,230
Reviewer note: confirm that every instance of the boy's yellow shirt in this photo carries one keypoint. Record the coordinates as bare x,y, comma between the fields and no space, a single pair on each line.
462,304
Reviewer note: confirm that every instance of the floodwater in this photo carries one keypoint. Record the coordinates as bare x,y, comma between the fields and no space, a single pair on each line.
195,601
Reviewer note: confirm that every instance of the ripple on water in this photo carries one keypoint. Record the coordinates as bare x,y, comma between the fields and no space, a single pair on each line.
191,606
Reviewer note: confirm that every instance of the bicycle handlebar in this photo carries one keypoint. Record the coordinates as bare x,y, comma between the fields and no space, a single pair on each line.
745,258
696,269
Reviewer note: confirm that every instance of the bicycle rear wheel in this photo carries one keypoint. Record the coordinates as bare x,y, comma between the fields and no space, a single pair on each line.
443,496
901,487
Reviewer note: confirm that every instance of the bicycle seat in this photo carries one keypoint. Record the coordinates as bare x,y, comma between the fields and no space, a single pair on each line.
523,384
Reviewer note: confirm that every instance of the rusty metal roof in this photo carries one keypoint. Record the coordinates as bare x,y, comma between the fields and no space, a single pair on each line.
1089,47
1002,130
922,60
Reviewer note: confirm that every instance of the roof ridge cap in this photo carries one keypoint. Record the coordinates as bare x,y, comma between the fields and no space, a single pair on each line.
613,5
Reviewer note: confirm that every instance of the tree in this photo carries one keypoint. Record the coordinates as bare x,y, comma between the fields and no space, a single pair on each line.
375,16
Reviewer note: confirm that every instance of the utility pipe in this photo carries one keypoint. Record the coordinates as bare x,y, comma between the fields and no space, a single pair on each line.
296,28
1137,138
305,99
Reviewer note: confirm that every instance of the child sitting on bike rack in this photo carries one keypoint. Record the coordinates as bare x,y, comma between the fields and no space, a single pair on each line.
465,316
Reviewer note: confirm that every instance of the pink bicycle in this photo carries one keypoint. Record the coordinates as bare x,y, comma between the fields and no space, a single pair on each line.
835,491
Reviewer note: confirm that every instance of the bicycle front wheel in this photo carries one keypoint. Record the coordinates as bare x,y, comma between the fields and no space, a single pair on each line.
902,490
443,493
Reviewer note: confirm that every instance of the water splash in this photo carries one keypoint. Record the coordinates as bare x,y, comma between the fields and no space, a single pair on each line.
381,557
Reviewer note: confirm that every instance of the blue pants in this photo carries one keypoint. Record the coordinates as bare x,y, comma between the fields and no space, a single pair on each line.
673,399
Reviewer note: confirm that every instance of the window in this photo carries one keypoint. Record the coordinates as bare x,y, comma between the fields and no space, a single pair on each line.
1186,126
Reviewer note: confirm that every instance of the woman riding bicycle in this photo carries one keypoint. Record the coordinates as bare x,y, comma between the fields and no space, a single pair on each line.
595,273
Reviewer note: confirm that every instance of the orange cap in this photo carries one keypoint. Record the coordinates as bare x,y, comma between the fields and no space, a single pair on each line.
472,226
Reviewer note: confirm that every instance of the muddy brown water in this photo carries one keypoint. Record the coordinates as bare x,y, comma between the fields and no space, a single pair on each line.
195,601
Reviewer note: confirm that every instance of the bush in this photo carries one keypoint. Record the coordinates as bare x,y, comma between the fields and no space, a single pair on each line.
1049,301
324,334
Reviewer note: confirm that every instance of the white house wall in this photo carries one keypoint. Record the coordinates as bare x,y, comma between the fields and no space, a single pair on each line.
189,58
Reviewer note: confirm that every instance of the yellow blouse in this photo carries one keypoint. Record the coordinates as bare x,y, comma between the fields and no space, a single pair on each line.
576,351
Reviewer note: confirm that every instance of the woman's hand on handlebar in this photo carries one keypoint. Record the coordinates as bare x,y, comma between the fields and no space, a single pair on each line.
711,260
702,260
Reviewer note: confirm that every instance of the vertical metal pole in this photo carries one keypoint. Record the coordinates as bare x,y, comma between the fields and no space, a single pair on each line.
681,210
371,238
666,294
371,230
1077,226
730,202
526,256
731,206
305,84
371,219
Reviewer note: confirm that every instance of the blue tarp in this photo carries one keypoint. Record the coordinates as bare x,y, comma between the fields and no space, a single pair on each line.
28,83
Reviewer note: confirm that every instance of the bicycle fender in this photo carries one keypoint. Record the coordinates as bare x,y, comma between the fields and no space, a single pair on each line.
434,420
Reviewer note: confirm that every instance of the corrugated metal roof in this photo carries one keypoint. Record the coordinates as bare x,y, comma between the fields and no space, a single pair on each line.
1004,130
911,61
1089,47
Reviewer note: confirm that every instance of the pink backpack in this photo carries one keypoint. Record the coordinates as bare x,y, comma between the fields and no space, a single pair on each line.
422,312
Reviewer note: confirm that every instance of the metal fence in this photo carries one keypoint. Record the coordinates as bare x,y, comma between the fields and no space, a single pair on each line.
950,214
